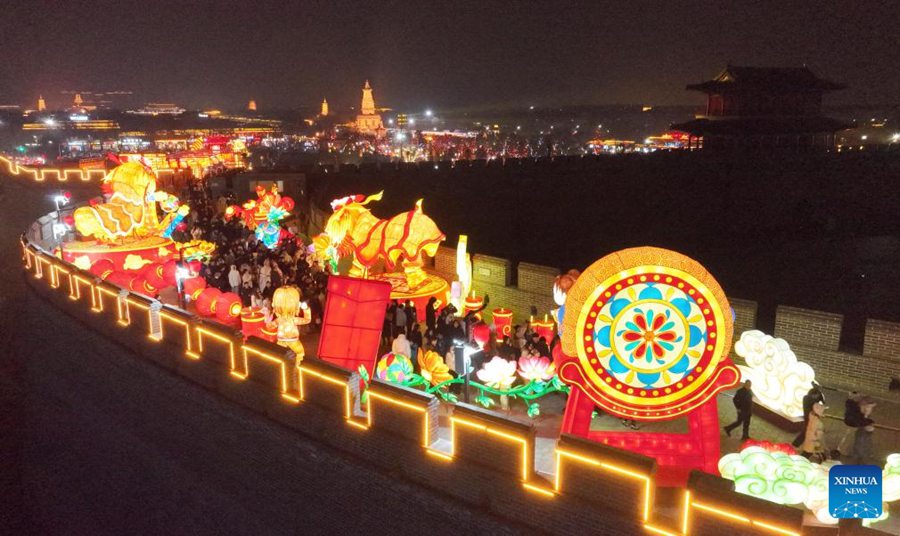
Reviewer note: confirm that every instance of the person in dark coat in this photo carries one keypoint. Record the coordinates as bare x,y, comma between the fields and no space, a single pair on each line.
430,319
810,399
743,403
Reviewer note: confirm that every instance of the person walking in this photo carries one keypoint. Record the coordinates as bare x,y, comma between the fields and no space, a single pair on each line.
863,447
812,397
813,447
743,403
234,279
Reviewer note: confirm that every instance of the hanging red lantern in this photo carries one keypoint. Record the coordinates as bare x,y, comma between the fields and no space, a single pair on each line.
502,323
193,287
206,301
121,279
103,268
481,333
170,268
287,203
154,276
228,307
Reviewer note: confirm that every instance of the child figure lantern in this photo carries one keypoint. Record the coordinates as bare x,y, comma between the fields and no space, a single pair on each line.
290,312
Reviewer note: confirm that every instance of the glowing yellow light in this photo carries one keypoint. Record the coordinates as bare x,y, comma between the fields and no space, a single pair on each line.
721,513
189,351
538,489
203,331
400,403
499,433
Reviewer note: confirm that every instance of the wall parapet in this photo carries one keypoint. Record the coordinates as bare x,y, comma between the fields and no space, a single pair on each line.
488,460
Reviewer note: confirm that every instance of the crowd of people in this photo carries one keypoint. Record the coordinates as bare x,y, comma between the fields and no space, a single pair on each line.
245,266
443,330
811,440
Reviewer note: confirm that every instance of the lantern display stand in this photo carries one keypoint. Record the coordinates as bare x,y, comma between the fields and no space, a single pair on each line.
645,337
433,286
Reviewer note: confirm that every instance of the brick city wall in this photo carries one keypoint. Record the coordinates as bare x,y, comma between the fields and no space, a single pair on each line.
813,335
594,485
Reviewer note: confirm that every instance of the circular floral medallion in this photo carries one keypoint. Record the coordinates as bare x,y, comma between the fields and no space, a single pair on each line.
649,328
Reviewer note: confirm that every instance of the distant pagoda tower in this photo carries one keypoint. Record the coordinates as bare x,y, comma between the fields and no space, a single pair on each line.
368,100
324,112
251,106
369,122
77,101
41,104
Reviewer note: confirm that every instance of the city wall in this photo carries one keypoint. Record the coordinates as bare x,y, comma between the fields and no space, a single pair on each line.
814,336
488,461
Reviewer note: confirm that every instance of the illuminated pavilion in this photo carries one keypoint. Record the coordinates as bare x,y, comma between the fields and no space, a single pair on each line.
763,108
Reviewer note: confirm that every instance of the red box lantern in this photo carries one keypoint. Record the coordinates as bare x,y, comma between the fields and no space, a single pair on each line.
351,327
502,323
544,328
472,303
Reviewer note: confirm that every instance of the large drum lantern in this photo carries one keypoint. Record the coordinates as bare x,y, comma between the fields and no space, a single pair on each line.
646,335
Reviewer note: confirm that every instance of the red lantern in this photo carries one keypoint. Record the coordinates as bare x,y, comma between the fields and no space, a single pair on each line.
120,278
154,276
252,321
103,268
544,328
169,270
481,333
287,203
228,307
181,227
206,301
473,303
193,287
69,220
502,323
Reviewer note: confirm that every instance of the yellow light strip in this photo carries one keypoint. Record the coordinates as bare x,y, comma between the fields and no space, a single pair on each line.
440,455
686,512
63,174
537,489
657,530
203,331
401,404
187,332
648,483
268,357
493,431
773,528
348,406
721,513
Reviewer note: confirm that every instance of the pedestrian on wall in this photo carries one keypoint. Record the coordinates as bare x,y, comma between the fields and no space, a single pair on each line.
812,397
743,403
863,448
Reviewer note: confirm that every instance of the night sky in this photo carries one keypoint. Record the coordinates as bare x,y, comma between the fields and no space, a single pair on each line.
460,55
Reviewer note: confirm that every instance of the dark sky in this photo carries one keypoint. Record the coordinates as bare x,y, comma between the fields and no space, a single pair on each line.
436,54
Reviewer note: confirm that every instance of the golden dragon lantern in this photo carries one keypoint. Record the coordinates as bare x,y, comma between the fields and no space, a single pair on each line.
403,240
130,211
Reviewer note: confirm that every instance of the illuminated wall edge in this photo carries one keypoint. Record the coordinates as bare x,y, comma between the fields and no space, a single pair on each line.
287,392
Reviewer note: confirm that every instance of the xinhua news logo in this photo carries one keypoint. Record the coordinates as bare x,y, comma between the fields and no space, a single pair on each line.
854,491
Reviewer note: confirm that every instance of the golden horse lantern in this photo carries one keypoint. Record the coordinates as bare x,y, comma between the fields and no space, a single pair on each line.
405,239
287,307
130,211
